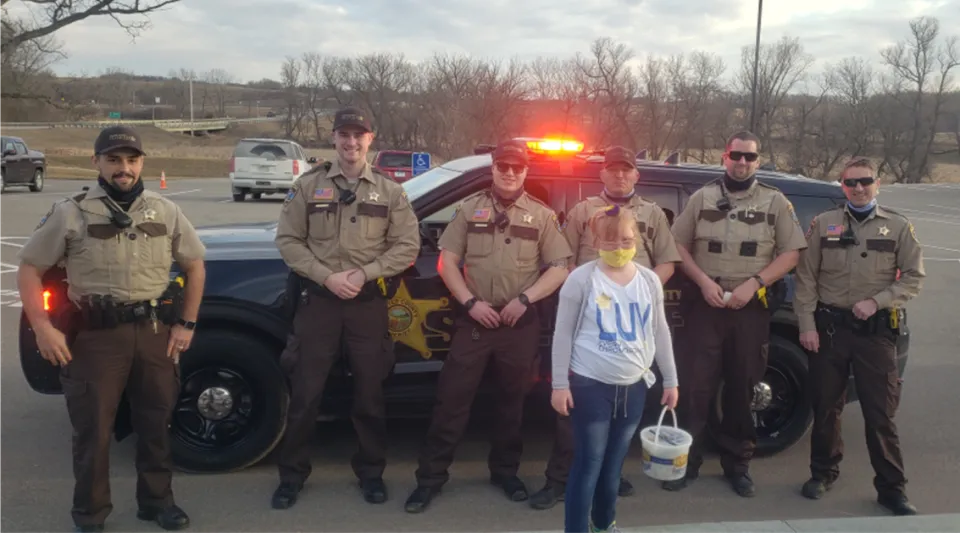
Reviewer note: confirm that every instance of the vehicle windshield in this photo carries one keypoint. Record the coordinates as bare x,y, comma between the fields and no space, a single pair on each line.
264,150
428,181
391,160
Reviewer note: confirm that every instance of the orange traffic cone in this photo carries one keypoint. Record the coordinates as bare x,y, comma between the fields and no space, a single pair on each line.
163,180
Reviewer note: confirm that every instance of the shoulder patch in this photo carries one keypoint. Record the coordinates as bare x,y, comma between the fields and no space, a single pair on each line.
43,219
913,233
292,193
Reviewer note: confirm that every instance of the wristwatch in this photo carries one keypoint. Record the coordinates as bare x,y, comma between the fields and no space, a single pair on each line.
187,324
470,303
523,299
759,280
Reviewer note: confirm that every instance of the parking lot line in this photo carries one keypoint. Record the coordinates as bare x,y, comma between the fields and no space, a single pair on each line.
182,192
941,248
7,268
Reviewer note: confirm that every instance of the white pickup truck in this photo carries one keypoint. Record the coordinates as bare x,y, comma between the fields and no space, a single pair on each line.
265,166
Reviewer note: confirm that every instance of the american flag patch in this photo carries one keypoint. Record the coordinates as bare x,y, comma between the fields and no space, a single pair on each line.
835,229
481,215
323,194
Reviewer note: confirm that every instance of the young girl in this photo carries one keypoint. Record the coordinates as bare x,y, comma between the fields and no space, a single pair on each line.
610,328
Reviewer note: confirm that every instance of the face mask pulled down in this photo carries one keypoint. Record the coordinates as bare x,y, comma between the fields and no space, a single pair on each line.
619,257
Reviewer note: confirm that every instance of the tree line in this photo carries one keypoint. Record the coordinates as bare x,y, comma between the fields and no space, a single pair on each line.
905,112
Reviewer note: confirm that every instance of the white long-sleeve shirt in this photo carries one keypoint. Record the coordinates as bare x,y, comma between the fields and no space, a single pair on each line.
612,333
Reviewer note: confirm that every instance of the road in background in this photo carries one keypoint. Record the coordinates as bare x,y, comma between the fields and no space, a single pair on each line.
37,476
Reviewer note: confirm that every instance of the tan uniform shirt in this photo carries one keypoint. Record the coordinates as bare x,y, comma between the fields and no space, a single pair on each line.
653,231
498,264
731,246
318,236
131,264
842,276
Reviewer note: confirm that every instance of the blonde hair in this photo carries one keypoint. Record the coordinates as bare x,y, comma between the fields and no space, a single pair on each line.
611,222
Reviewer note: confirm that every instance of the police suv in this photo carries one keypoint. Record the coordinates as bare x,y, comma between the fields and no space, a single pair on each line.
234,397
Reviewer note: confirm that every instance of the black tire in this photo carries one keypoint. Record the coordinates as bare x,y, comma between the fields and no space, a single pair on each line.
37,184
247,428
789,416
256,195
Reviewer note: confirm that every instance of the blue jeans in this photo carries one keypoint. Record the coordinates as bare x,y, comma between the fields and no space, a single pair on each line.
605,419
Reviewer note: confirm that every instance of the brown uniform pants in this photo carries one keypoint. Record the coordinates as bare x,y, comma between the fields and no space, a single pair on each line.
105,362
318,327
513,353
873,360
561,456
729,345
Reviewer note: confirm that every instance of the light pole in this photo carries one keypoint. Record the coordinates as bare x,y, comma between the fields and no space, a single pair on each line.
191,104
756,66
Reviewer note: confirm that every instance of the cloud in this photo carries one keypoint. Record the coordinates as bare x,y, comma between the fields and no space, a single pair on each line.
251,38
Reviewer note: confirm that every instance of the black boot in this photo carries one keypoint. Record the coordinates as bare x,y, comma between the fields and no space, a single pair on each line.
897,504
682,483
742,485
170,518
551,493
286,495
815,488
374,490
419,499
626,488
512,486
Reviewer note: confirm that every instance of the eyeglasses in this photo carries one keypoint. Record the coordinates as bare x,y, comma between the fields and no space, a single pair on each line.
749,156
852,182
517,167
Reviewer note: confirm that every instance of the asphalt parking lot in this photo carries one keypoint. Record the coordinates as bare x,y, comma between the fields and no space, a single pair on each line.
37,475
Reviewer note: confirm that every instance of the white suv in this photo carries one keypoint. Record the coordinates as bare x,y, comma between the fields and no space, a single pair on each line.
265,166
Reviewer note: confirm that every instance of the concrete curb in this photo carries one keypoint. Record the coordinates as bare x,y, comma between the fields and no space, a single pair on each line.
938,523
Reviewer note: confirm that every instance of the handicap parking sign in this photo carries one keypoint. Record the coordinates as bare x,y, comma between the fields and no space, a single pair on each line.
421,162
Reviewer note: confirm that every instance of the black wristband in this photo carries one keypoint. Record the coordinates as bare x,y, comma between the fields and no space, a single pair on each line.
523,299
468,305
187,324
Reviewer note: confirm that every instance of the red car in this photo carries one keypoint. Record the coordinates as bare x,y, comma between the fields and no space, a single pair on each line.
398,164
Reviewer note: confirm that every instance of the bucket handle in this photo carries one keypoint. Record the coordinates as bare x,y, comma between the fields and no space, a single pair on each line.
656,435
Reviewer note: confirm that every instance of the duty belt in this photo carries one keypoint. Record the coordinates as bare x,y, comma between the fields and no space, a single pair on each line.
104,312
368,290
830,317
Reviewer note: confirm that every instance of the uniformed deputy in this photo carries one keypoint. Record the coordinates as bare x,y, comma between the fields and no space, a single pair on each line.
504,235
127,328
736,236
848,302
657,250
344,229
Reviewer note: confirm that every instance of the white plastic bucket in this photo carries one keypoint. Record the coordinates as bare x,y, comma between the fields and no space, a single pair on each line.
665,449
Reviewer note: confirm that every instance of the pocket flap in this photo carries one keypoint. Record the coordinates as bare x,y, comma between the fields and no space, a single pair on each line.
153,229
372,210
712,215
882,245
103,231
523,232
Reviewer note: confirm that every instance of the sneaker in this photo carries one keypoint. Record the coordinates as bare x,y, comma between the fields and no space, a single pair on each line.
551,493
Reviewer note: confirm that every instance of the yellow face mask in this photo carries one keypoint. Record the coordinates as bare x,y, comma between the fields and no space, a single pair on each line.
618,258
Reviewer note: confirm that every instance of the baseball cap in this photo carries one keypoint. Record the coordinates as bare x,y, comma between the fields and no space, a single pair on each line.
511,151
351,116
619,154
116,137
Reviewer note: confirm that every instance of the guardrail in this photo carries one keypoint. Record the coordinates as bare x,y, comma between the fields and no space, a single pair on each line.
170,125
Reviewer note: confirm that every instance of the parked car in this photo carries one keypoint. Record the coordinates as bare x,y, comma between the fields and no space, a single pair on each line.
398,164
265,166
22,167
234,397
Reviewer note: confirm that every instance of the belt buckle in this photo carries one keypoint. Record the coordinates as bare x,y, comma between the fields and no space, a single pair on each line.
138,311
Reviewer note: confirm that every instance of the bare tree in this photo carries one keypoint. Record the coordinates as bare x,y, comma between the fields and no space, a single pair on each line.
921,76
611,86
217,81
291,76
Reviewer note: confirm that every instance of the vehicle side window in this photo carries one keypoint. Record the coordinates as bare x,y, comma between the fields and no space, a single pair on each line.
21,149
9,146
808,207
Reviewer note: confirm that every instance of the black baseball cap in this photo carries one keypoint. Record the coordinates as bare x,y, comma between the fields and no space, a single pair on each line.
351,116
619,154
511,151
116,137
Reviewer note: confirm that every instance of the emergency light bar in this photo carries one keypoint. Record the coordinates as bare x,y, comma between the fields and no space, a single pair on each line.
554,146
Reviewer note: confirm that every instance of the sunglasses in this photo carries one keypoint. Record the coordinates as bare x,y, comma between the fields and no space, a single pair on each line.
852,182
749,156
517,167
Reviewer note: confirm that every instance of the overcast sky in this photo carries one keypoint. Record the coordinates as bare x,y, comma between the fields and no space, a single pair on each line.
250,38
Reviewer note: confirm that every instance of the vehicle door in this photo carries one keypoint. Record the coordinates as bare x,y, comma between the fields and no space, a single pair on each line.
11,162
24,165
